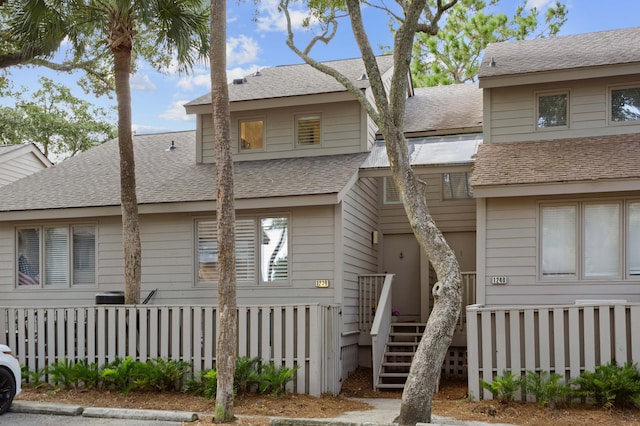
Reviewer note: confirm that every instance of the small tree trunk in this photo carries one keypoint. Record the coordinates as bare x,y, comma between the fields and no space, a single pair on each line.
226,353
129,202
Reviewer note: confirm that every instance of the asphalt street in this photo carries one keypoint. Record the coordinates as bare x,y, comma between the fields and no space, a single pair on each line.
27,419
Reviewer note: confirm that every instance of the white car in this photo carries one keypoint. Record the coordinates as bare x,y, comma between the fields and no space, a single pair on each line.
10,378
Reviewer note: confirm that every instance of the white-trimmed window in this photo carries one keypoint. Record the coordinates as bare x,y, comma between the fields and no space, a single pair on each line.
558,229
590,240
262,243
552,110
390,192
308,129
251,134
456,186
625,104
207,250
274,249
56,256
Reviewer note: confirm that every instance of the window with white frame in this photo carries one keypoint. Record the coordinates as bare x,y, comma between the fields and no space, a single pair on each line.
456,186
391,195
552,110
55,256
308,129
590,240
625,104
251,132
262,243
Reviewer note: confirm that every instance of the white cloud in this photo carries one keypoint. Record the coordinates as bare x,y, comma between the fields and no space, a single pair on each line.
176,112
271,19
142,83
199,78
241,50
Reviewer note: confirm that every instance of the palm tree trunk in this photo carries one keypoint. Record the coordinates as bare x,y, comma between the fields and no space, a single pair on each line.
129,202
226,217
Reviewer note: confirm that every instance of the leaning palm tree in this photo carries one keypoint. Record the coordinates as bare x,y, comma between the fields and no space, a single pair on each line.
153,29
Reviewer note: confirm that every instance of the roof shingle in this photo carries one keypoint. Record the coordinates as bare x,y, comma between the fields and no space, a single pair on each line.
442,108
562,53
297,80
561,160
92,178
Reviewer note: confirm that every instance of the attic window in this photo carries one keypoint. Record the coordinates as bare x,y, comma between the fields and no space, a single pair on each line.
308,129
390,191
552,110
625,104
251,134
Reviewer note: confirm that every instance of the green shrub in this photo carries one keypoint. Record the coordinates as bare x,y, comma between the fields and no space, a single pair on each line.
547,388
160,374
247,374
206,385
34,378
61,373
503,387
273,379
120,374
610,386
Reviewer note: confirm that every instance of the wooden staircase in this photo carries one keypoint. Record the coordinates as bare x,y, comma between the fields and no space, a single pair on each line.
401,346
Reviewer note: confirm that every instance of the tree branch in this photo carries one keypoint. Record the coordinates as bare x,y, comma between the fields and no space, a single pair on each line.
304,55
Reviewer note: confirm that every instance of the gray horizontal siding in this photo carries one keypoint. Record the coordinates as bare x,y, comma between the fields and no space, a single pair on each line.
341,132
19,167
450,216
168,263
360,255
511,250
512,111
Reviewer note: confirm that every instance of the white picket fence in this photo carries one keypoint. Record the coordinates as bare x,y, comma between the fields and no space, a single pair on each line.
307,336
563,339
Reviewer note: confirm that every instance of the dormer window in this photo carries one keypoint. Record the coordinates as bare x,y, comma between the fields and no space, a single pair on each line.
552,110
625,104
308,130
251,134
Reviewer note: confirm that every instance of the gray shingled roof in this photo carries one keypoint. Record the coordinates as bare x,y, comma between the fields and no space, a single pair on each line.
562,53
564,160
444,107
91,179
297,80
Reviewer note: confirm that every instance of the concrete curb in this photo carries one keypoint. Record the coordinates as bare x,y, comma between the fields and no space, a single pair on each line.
34,407
58,409
283,421
131,414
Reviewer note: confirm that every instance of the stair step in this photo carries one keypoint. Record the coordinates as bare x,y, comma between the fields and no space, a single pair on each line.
407,334
399,344
399,353
396,364
405,375
390,386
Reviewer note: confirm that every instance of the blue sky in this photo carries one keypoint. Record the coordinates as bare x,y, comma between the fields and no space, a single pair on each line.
158,98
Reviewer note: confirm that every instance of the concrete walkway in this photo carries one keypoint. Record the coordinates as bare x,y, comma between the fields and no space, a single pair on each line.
383,413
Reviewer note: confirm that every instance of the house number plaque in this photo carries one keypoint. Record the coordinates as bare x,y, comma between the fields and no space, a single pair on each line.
498,280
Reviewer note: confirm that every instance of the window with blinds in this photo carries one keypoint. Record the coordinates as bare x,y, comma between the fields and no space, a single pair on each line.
84,254
56,255
308,129
391,195
208,250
